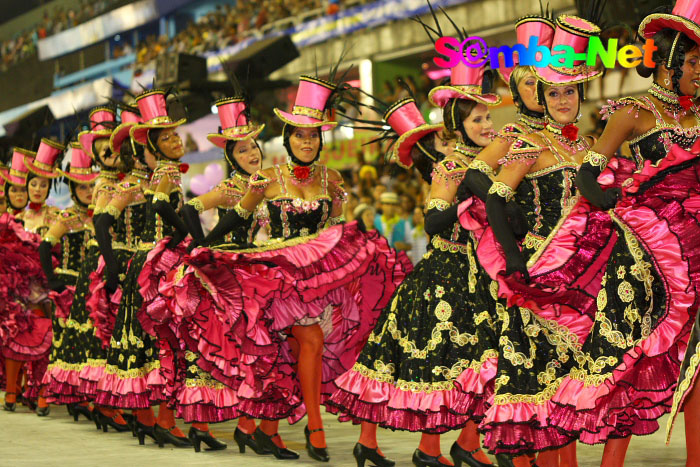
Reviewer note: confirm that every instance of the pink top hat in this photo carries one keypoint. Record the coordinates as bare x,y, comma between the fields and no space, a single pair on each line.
18,173
574,32
3,173
685,18
235,126
44,164
120,133
102,123
80,170
309,105
465,83
406,120
154,114
526,28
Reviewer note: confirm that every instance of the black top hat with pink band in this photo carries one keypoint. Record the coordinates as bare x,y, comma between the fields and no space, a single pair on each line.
234,115
102,123
685,18
18,172
309,109
80,170
45,161
154,114
410,126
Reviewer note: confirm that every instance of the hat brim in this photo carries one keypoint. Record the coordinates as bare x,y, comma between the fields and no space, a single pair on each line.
658,21
302,121
440,95
220,140
86,138
28,161
553,77
118,136
79,178
140,131
405,143
13,179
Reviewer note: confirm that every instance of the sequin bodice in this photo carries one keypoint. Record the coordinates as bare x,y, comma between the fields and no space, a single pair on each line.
131,224
74,243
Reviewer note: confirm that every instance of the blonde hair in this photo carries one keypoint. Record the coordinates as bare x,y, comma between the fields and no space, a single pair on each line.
519,73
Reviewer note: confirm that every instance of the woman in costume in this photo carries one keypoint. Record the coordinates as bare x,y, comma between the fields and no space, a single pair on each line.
412,374
72,230
333,281
200,399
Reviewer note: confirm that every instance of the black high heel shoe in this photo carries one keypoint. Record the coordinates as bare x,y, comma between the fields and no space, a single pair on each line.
243,439
164,435
197,436
504,460
421,459
10,406
106,422
76,410
460,455
130,420
69,408
320,454
362,454
144,430
265,442
43,411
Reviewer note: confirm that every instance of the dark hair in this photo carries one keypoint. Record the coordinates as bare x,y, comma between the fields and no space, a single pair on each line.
128,157
152,140
231,158
453,114
664,40
287,131
8,185
73,186
100,159
424,162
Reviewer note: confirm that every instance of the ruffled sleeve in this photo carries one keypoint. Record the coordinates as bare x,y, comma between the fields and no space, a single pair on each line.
450,171
70,219
634,104
259,181
232,191
129,190
511,131
525,150
171,171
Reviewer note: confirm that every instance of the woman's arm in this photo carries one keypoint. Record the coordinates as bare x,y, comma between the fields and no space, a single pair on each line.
52,237
105,221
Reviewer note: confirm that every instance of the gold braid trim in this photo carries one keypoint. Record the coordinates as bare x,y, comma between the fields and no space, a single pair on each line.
540,398
448,246
482,167
160,196
51,239
502,190
439,204
197,204
241,211
134,372
274,244
336,220
112,211
685,380
595,159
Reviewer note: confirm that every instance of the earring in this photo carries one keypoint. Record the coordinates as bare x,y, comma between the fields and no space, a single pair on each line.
667,81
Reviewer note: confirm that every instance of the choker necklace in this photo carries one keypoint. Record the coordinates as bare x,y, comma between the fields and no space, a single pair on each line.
467,151
567,136
141,174
79,208
534,123
301,174
110,174
675,106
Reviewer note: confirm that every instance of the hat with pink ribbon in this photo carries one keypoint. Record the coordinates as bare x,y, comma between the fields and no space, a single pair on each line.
309,110
410,126
80,170
153,108
685,18
526,28
465,83
121,132
45,162
18,172
102,123
573,32
234,115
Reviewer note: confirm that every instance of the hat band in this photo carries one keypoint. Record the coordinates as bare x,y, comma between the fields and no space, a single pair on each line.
42,166
307,112
237,130
80,170
577,70
18,173
468,88
159,120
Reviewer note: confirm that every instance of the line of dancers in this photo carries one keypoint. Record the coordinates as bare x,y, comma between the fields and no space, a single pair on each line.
557,301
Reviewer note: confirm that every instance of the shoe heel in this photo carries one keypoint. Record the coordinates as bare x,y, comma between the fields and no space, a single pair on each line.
197,444
241,446
142,437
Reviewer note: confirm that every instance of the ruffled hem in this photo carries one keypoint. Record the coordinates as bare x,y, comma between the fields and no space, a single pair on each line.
360,398
138,392
31,343
61,386
101,306
206,404
63,301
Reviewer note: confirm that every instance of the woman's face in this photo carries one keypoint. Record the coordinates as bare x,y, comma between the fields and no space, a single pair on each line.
479,126
101,147
562,102
527,88
305,143
18,196
248,155
690,80
3,204
84,192
38,189
170,144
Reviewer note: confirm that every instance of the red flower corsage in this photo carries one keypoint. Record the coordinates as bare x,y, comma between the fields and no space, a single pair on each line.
184,168
90,212
570,132
685,101
36,207
301,172
121,176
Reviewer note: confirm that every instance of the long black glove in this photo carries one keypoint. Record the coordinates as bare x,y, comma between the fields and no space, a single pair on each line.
498,220
479,183
587,184
191,217
55,283
436,221
166,211
225,225
104,241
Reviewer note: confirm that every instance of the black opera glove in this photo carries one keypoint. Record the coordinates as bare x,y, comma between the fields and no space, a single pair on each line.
190,215
54,282
499,195
104,241
587,182
227,223
439,216
162,206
